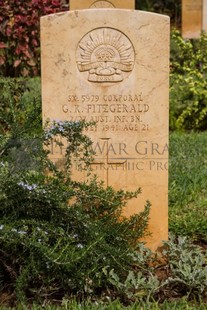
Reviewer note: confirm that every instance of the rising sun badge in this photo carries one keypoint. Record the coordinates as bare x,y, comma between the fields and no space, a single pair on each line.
106,55
102,4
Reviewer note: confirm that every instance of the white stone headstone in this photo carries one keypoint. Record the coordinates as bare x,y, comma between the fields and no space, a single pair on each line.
112,66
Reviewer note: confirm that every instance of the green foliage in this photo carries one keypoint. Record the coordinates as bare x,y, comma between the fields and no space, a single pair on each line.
183,268
60,239
187,267
141,282
115,305
19,35
188,93
20,109
188,185
50,248
20,120
57,236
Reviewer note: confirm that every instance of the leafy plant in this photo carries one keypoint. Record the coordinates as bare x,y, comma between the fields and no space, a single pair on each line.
141,282
188,268
20,110
188,93
20,120
57,235
19,35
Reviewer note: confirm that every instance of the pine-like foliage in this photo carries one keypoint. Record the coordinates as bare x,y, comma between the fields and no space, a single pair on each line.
58,236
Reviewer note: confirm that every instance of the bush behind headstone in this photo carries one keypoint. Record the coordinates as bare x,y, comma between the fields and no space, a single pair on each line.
20,35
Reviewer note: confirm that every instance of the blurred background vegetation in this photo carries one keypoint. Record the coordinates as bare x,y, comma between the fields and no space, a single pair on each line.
171,8
20,30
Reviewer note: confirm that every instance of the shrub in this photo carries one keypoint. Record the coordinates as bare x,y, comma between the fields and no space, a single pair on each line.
187,269
178,270
56,235
188,93
20,35
20,110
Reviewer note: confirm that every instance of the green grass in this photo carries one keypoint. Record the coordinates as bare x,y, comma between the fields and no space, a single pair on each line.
188,184
72,305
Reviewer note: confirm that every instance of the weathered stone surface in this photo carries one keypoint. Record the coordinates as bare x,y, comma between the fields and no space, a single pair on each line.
205,15
98,4
192,18
111,66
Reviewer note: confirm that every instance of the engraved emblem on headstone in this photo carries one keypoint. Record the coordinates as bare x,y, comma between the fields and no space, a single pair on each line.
102,4
106,55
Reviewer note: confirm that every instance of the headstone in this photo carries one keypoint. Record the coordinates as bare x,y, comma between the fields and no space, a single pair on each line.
112,67
205,15
192,18
98,4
